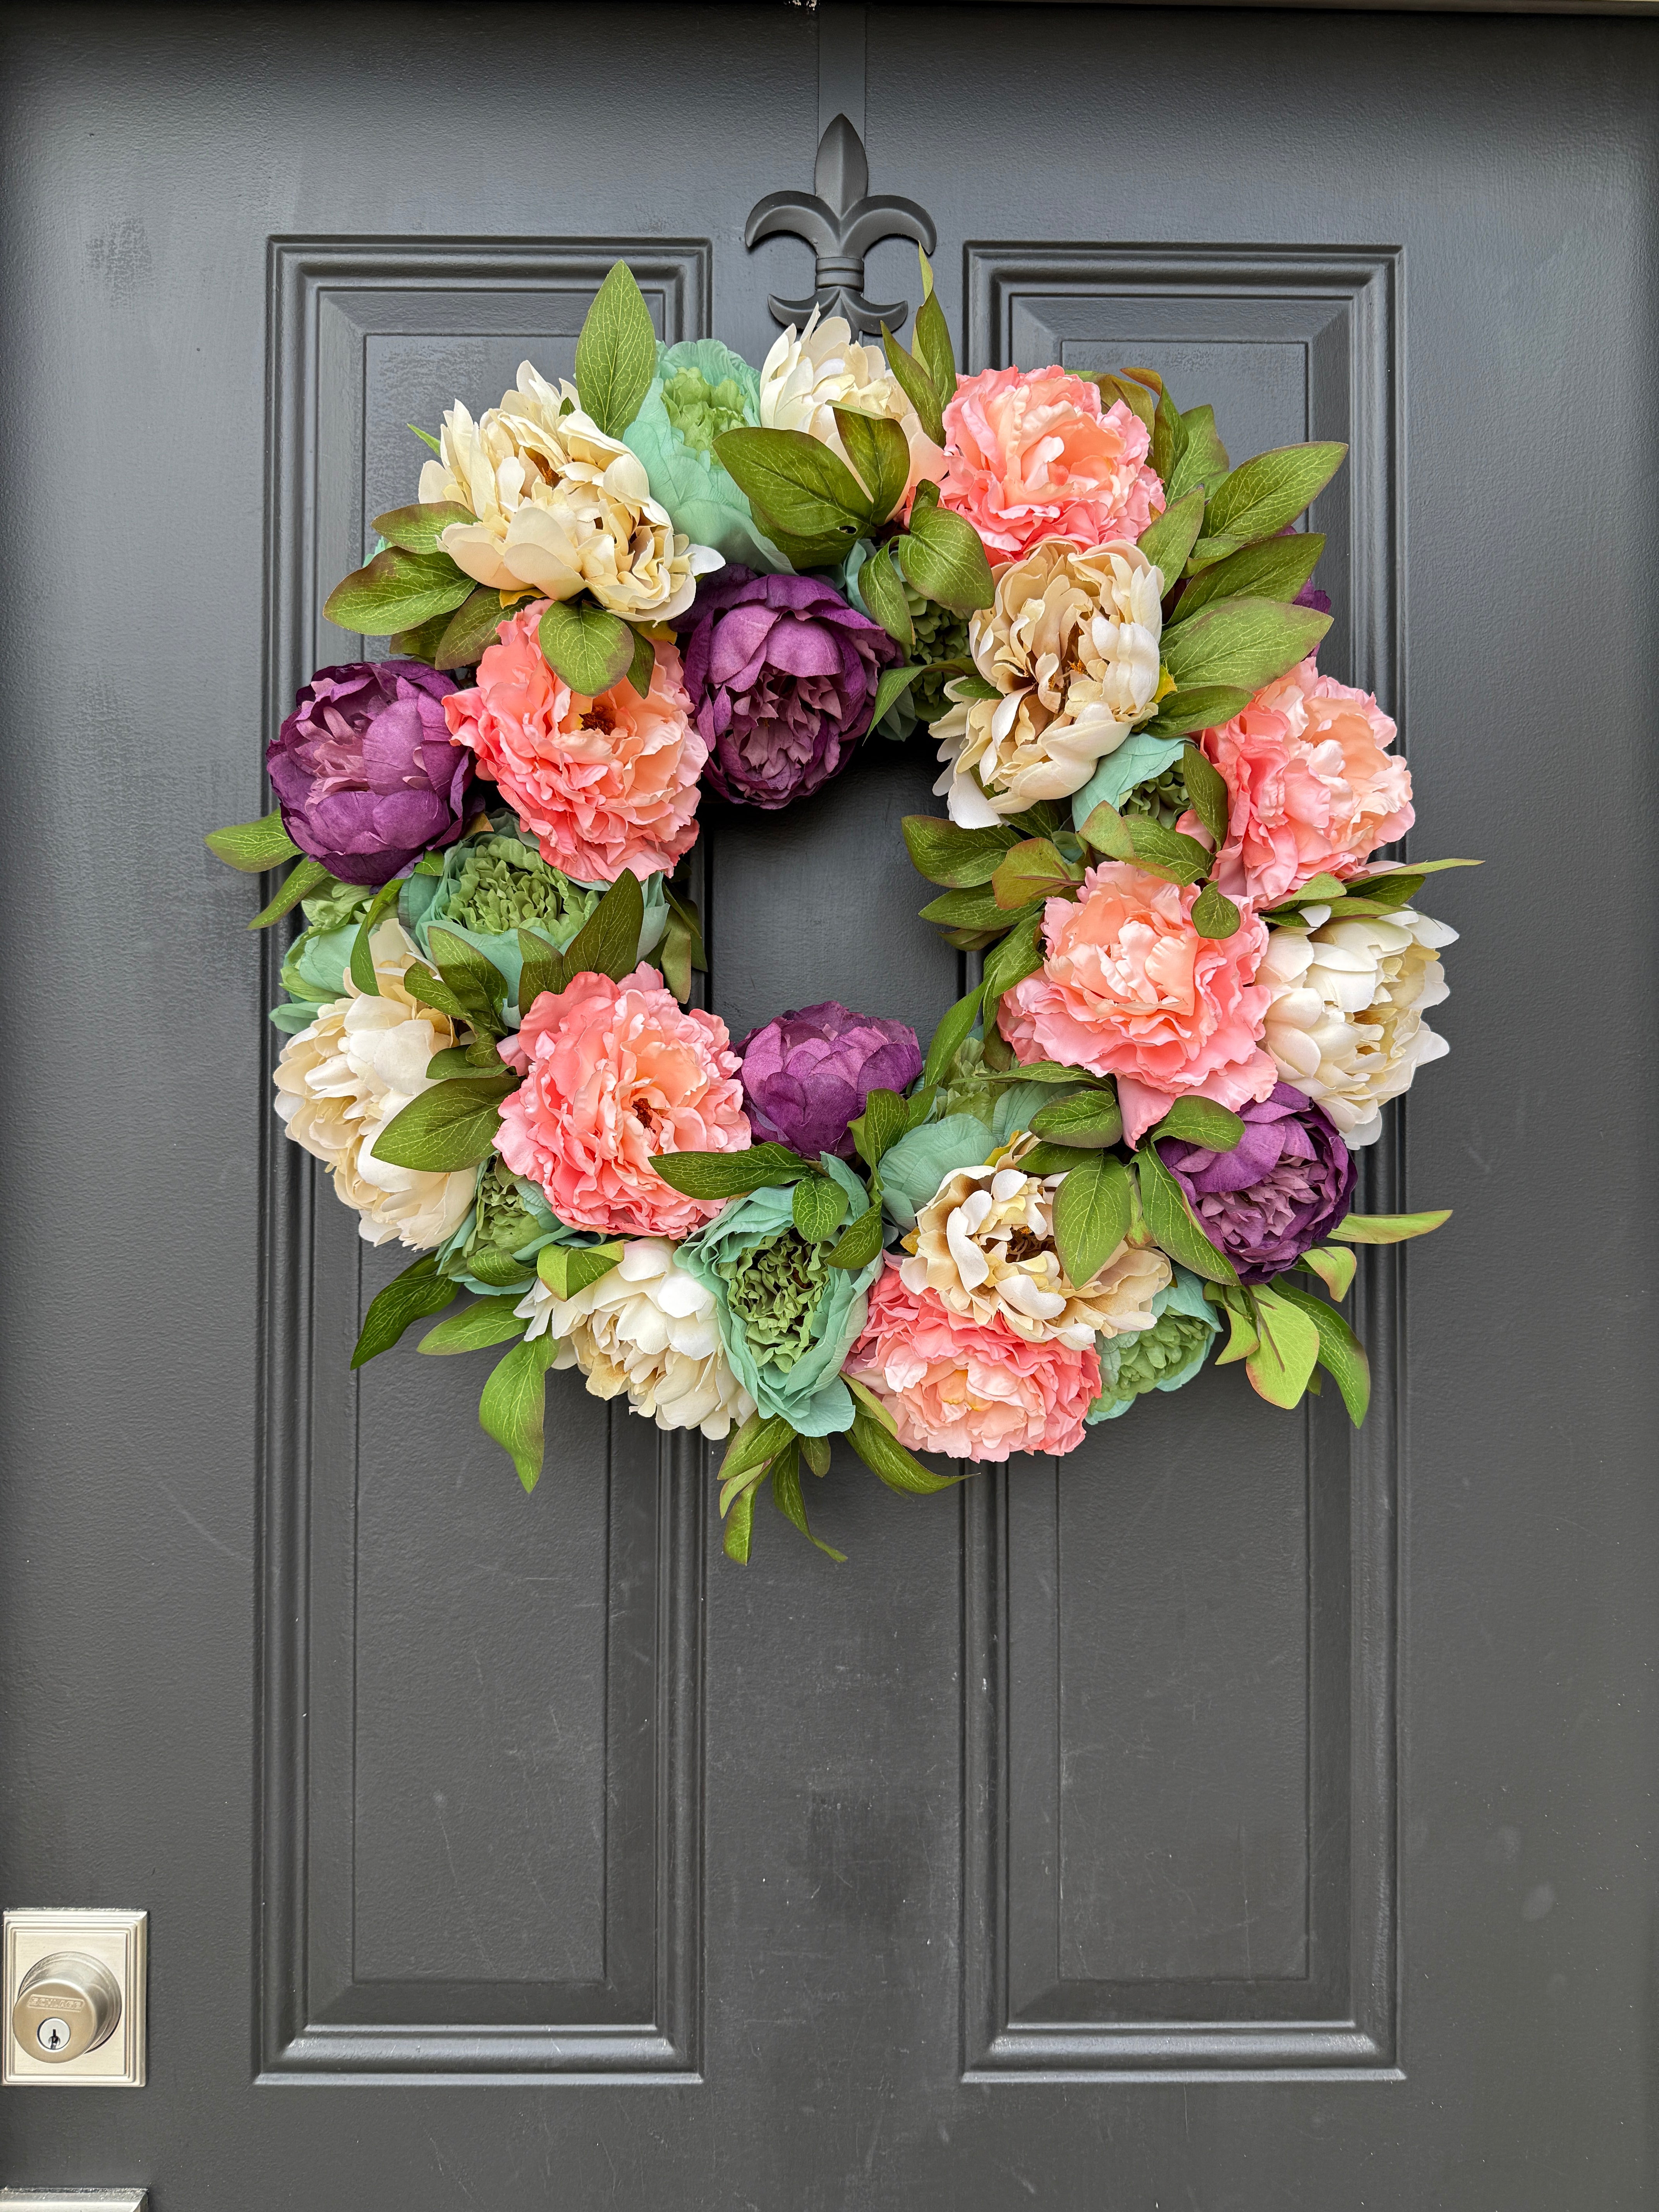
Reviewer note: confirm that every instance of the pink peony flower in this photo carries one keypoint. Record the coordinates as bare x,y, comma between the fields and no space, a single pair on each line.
1311,786
1130,989
614,1073
602,784
1032,453
973,1389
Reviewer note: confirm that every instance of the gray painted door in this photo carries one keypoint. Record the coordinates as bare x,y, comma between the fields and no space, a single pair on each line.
1237,1820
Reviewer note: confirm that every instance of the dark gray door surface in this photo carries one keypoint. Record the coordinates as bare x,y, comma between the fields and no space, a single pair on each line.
1240,1818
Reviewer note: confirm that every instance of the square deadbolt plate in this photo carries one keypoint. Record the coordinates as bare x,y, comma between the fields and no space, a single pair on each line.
117,1939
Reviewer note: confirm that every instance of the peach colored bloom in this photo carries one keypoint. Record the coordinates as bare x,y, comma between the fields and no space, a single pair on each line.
1033,453
1129,988
601,784
1311,786
613,1073
969,1389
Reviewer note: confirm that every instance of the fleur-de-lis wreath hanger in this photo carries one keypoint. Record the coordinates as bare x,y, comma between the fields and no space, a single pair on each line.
841,222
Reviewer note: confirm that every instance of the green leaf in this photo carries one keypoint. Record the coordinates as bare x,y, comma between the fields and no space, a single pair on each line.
1206,787
471,630
426,438
253,847
643,666
1261,496
1242,1335
973,686
794,481
1139,402
931,338
859,1244
1200,1122
511,1408
739,1530
1387,1228
428,988
1168,853
977,909
616,354
959,859
913,382
416,528
361,962
299,883
544,969
785,1495
1173,1228
591,650
1334,1264
397,591
880,456
943,557
1200,707
892,683
1242,642
1288,1351
752,1449
1203,457
423,642
1019,955
1047,1159
883,593
1316,891
955,1027
818,1205
827,550
1170,537
408,1297
451,1126
1168,437
1032,869
674,956
1089,1119
815,1450
885,1455
567,1268
882,1123
1341,1354
1276,569
731,1174
487,1321
453,1060
1092,1212
608,942
475,979
1214,917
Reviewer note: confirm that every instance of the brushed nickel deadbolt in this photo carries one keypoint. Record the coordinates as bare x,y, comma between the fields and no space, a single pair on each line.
68,2003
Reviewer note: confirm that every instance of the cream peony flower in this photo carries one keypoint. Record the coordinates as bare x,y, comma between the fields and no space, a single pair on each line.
803,380
1071,642
1344,1023
646,1329
984,1245
338,1084
561,507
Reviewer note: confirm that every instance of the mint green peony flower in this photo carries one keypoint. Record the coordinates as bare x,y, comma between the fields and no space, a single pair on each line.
1161,1357
1140,759
787,1318
701,388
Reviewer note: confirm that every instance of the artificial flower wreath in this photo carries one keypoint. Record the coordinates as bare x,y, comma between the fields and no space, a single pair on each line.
1134,1138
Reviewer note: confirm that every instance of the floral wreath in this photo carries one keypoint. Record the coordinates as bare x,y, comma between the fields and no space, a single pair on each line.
1199,986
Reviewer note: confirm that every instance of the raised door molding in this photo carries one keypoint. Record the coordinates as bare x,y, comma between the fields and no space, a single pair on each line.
480,1748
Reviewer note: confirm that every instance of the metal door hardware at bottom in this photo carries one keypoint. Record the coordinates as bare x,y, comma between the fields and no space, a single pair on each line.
74,1986
73,2200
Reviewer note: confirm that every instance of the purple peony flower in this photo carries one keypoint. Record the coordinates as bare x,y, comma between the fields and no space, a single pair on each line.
1287,1186
806,1075
782,675
365,771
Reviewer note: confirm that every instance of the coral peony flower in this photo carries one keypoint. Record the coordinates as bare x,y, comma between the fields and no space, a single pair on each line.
1129,988
984,1245
806,1075
970,1388
613,1073
561,507
1311,786
1283,1188
1033,453
1071,642
646,1330
601,784
365,771
783,673
1344,1018
803,380
340,1081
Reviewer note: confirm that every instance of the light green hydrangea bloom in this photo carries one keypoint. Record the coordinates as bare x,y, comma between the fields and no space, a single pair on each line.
700,389
493,1252
1161,1357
